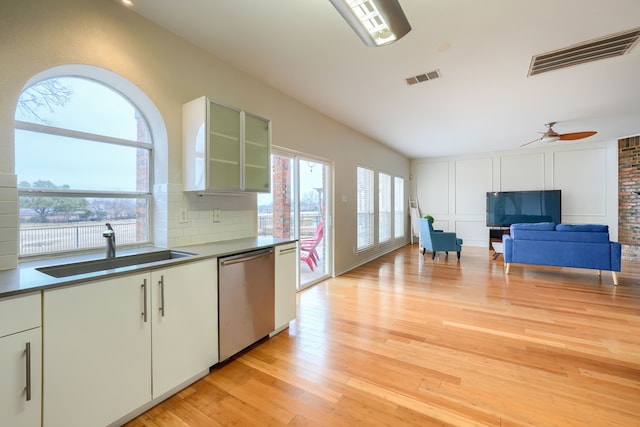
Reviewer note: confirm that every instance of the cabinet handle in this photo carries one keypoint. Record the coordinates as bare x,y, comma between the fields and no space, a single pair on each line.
286,251
144,299
27,351
161,283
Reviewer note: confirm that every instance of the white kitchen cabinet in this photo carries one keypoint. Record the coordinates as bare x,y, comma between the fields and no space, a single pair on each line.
108,349
286,275
20,361
225,149
184,323
97,347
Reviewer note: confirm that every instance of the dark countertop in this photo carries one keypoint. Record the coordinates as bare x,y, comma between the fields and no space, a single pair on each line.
26,278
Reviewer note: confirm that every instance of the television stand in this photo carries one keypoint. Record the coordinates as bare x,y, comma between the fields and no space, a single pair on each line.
495,234
498,249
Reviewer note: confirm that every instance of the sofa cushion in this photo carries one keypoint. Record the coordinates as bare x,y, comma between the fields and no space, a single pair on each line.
533,231
535,235
585,233
583,227
539,226
588,233
579,236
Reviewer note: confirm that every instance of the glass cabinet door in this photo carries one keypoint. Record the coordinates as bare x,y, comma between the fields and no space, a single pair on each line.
257,173
224,148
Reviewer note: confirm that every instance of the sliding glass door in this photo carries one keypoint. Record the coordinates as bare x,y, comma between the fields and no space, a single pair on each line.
313,200
299,206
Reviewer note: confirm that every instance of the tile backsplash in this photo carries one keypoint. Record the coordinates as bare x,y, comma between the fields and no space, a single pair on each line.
8,221
190,217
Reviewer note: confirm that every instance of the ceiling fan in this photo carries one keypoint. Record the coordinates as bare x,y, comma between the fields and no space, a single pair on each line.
552,136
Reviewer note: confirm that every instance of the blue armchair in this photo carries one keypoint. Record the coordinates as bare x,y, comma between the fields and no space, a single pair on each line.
437,240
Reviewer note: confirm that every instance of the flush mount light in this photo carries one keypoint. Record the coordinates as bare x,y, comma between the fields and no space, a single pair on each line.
376,22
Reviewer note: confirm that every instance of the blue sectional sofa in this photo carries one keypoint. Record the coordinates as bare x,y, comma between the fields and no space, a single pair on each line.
562,245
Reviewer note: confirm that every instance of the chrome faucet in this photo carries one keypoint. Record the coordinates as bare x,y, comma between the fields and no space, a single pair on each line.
110,235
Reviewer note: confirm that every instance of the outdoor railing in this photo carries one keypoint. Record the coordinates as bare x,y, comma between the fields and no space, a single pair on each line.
308,223
49,238
39,239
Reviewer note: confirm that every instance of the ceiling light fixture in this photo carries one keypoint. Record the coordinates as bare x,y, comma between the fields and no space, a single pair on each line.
549,138
376,22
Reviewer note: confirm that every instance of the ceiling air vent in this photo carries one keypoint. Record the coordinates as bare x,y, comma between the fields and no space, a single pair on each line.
435,74
592,50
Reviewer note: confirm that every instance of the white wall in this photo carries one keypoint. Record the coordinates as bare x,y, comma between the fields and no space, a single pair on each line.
37,35
453,189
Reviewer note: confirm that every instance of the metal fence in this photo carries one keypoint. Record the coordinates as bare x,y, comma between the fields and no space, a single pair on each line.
47,238
38,239
308,223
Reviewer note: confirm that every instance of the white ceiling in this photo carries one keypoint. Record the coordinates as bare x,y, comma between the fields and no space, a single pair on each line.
484,100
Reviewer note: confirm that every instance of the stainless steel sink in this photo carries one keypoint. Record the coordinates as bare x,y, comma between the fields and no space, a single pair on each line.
84,267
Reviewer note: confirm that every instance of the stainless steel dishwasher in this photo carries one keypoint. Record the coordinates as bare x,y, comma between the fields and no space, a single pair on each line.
246,285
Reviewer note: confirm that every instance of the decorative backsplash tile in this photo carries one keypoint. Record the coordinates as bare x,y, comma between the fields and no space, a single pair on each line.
238,216
8,222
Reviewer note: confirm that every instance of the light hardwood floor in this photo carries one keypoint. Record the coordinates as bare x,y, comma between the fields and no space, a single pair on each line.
407,341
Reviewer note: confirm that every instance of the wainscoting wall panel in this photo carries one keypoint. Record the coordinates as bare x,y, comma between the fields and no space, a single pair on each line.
433,188
587,174
522,172
473,179
582,177
474,233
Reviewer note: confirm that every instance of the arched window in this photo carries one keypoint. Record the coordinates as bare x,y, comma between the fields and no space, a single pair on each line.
83,156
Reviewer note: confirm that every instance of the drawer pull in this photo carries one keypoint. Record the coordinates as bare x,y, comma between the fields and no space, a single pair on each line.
161,283
144,300
27,351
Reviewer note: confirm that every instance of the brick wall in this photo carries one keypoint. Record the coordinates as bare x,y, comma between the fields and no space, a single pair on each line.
281,197
629,197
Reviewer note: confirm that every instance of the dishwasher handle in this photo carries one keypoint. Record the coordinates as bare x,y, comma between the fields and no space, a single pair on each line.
249,256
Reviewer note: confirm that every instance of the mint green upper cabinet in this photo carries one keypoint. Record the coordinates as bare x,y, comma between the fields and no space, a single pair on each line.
257,153
225,149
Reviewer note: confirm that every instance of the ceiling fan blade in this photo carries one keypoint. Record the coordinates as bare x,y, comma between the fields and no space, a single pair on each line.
530,142
576,135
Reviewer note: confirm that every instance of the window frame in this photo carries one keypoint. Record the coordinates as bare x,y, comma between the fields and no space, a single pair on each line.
399,227
385,196
148,146
395,197
370,239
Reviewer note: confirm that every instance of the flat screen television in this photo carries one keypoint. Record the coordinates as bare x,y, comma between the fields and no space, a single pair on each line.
510,207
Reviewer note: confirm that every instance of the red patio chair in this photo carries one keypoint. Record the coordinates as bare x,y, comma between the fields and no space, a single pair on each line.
308,247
